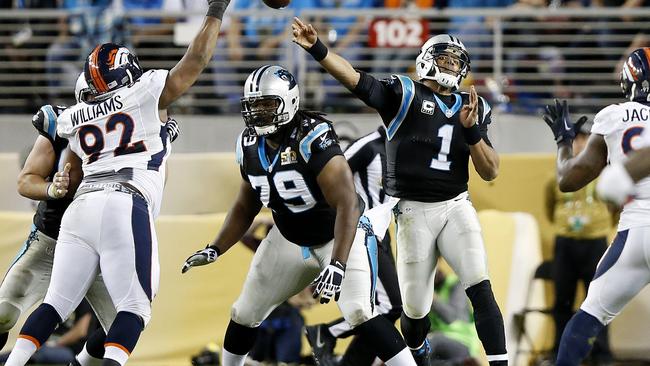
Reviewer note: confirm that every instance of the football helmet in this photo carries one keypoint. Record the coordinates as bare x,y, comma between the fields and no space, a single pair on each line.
271,99
635,76
109,67
426,64
81,89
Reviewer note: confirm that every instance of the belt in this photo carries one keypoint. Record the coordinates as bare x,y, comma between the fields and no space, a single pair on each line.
115,187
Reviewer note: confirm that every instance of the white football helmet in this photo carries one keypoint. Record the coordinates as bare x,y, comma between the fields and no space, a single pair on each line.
271,99
81,89
442,44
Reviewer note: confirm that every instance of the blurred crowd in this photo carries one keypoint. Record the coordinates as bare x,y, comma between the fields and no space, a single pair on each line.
42,56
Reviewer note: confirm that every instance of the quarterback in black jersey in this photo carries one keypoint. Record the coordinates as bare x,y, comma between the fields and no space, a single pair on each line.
431,132
291,162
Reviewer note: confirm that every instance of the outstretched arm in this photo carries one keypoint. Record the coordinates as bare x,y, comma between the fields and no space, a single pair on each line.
239,219
576,172
306,37
197,56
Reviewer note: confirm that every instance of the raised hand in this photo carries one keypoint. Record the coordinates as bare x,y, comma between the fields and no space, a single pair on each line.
558,119
303,34
469,112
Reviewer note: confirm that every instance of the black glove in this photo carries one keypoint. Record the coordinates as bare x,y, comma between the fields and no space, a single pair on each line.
558,119
172,129
328,283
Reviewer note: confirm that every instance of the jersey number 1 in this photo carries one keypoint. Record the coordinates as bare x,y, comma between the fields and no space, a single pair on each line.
441,162
94,149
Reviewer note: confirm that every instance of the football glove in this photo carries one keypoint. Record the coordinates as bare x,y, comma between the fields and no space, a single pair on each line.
172,129
328,283
558,119
615,185
201,258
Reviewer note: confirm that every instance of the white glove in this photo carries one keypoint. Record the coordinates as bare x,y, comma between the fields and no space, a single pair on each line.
60,182
328,283
615,185
200,258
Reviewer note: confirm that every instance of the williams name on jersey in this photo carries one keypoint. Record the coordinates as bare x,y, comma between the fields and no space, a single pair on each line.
285,179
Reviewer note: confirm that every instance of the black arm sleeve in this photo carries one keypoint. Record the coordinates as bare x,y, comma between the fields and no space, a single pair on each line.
383,95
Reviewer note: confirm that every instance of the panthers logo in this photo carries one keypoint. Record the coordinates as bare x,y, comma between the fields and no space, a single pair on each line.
286,76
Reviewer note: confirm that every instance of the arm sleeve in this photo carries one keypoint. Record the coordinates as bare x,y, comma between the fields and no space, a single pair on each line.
383,95
319,146
484,119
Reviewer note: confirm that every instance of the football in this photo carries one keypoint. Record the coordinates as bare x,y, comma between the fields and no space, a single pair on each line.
277,4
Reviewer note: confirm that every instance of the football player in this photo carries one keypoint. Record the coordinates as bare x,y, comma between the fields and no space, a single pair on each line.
120,143
26,281
615,134
367,159
431,132
290,162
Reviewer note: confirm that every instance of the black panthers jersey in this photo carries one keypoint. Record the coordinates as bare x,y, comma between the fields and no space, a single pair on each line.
285,179
49,213
427,156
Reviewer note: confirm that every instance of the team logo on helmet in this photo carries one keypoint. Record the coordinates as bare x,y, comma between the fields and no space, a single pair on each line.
635,75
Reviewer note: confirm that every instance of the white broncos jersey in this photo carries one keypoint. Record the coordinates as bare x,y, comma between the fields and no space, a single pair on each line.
121,132
622,126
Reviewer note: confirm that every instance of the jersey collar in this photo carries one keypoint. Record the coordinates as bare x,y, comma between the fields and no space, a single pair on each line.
261,152
449,111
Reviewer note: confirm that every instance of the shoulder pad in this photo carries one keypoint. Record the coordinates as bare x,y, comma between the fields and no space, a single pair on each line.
604,119
45,120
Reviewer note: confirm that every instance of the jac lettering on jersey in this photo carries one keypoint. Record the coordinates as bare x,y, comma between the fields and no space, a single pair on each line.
93,111
636,115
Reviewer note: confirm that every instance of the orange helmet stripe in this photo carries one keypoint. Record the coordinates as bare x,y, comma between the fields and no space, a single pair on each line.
96,76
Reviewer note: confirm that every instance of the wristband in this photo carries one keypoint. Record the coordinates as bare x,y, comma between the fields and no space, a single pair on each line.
340,265
216,8
472,135
215,248
318,51
51,192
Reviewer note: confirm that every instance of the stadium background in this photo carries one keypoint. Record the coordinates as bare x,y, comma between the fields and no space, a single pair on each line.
523,54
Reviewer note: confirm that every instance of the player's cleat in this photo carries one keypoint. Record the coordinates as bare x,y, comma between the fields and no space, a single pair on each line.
322,344
74,363
422,355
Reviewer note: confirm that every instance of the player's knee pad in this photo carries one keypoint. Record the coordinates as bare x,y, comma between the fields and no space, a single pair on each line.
415,311
140,308
244,315
596,309
9,315
355,312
